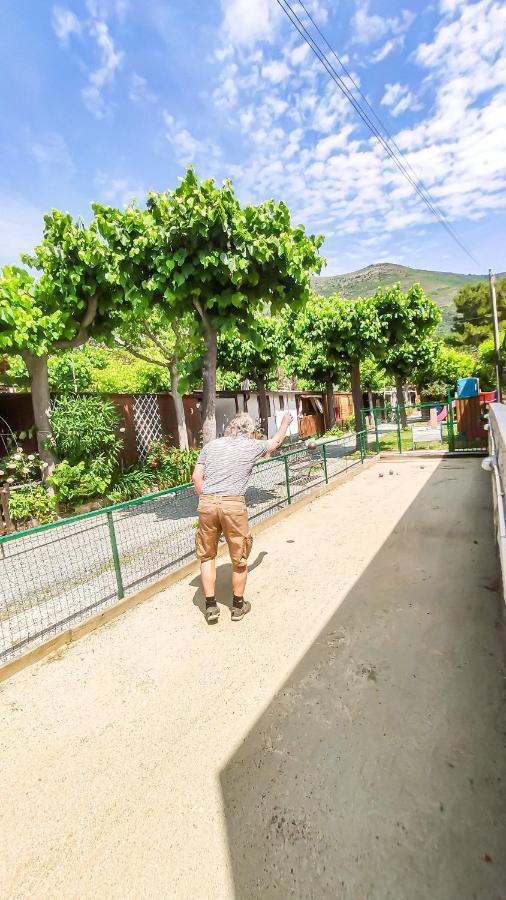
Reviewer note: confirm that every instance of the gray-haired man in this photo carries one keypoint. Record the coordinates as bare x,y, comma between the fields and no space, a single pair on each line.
221,477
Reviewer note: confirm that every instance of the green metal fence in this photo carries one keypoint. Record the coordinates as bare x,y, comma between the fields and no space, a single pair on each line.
427,426
55,576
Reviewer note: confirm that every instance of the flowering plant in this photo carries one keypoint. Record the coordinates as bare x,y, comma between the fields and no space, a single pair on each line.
19,467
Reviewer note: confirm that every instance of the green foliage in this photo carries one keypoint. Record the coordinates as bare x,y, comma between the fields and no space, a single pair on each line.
76,484
76,283
439,365
131,484
18,467
196,252
85,428
255,351
473,323
329,334
169,465
407,321
372,376
485,363
32,504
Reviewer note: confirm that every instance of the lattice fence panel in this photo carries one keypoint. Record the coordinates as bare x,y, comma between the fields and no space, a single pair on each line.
147,421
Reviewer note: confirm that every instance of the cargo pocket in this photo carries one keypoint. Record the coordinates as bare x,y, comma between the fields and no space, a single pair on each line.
246,549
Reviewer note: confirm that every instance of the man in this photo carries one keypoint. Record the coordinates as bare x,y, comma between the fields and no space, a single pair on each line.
221,477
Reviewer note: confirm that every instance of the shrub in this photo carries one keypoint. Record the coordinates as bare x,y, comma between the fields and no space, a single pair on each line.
19,467
169,465
32,504
84,428
131,484
74,485
334,432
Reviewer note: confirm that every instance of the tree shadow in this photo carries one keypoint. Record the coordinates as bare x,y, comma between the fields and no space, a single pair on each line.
223,584
378,771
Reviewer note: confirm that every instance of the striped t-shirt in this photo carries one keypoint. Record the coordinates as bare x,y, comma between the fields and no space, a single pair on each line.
228,463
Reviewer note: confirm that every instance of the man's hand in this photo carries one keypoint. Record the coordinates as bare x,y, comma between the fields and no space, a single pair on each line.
280,435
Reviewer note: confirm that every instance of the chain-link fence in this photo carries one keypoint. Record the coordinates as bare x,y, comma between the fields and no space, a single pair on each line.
55,576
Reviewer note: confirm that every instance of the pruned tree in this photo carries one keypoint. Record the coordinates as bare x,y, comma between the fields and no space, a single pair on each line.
71,300
406,322
254,354
196,251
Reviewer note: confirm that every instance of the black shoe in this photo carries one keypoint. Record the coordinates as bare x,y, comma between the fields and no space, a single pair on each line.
238,612
212,614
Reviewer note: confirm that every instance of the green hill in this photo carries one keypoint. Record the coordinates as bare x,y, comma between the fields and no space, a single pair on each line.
440,286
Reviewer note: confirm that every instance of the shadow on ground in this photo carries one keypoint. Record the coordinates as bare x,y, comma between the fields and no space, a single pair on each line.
223,584
379,769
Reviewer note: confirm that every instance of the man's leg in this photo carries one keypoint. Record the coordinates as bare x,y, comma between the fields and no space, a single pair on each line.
239,577
208,575
207,537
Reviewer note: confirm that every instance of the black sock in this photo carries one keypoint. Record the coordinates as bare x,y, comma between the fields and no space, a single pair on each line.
210,601
238,602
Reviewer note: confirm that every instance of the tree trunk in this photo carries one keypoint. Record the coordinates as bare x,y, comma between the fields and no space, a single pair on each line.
262,405
39,382
182,433
331,415
400,400
209,384
356,392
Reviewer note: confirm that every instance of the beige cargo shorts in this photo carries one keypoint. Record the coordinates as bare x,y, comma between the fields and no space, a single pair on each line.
228,516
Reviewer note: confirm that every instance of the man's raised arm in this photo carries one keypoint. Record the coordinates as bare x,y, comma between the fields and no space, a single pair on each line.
280,435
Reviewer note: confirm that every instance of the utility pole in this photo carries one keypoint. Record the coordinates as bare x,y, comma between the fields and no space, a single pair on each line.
498,364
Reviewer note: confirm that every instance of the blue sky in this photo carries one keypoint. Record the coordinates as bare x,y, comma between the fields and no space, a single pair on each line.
106,99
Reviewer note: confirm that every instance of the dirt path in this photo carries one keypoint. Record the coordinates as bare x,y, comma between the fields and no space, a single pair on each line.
161,758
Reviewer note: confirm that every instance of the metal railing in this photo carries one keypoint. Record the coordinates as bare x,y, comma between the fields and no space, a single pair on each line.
54,576
385,431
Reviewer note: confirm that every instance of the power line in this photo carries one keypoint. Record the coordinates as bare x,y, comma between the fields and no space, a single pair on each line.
397,160
373,111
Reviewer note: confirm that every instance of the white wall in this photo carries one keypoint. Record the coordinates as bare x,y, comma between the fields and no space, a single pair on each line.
225,410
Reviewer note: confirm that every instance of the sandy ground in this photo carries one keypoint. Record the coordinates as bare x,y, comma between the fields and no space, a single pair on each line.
132,763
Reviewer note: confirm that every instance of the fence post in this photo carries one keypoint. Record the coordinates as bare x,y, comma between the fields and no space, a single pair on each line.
399,436
325,464
375,416
451,433
115,556
287,476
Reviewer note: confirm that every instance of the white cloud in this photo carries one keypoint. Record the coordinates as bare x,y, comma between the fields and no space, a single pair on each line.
298,55
119,190
139,90
65,23
51,150
369,27
386,49
247,21
110,60
187,148
399,98
275,71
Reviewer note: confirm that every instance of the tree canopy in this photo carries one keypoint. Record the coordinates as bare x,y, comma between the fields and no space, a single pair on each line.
196,251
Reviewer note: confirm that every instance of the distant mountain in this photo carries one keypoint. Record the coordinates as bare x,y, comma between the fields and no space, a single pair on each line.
440,286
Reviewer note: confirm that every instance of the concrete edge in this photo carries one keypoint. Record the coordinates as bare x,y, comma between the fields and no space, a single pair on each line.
432,454
118,609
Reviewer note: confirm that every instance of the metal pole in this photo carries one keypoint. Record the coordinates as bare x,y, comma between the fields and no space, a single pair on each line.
398,418
287,476
115,556
325,463
375,414
498,363
451,432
